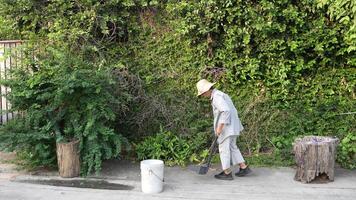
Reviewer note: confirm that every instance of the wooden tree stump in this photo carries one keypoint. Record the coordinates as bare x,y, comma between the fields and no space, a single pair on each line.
315,157
68,159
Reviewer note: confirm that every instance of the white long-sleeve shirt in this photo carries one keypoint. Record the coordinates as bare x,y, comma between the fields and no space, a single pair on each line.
225,112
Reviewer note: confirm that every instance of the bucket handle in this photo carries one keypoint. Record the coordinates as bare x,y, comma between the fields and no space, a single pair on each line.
150,171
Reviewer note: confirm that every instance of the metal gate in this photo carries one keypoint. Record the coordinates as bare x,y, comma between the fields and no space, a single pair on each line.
9,57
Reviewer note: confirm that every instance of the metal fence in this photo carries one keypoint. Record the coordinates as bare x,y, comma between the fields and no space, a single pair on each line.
9,58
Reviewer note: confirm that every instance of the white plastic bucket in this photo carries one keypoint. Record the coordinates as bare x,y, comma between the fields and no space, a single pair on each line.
152,176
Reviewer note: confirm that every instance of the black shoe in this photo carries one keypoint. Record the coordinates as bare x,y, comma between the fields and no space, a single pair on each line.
243,172
223,176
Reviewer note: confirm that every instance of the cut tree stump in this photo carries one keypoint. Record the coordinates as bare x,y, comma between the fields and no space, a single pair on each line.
315,158
68,159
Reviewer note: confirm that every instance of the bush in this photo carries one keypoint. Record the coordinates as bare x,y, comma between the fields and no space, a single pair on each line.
33,147
65,98
171,148
347,151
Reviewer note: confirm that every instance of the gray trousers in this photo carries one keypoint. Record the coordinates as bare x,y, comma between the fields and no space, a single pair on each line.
230,153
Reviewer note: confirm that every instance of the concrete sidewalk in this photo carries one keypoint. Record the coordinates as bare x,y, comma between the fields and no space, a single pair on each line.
263,183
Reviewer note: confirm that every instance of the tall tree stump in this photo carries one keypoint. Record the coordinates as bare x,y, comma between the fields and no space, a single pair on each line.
68,159
315,156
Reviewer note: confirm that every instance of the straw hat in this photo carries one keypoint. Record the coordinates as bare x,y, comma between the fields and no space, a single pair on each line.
203,86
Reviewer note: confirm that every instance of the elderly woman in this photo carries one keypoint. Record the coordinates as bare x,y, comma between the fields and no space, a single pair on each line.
227,127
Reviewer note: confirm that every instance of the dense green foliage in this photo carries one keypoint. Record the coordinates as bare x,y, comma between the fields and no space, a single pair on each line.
286,64
347,155
344,12
289,66
172,148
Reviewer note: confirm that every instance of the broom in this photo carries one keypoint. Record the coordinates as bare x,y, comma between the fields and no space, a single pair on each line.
205,167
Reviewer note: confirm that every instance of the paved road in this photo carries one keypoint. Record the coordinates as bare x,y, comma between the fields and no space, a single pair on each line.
264,183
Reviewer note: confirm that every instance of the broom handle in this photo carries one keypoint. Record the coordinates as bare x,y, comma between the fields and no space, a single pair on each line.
212,151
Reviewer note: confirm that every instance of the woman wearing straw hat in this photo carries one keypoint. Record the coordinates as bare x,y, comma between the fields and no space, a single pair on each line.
227,127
